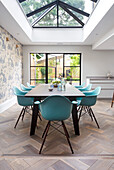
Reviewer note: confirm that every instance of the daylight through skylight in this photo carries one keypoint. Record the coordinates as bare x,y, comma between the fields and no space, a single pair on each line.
57,13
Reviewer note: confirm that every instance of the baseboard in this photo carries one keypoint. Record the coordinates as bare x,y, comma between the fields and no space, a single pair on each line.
4,106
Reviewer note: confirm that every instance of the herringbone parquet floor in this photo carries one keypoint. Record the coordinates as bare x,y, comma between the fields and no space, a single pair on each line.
94,148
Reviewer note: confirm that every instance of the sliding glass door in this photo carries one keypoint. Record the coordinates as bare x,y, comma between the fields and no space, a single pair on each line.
46,67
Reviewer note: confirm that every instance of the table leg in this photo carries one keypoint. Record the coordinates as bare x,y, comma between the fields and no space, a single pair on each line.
34,119
75,120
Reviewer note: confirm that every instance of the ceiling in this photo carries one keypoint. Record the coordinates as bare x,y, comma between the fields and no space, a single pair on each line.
100,36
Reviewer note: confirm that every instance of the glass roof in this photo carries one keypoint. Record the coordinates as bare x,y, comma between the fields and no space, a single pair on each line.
57,13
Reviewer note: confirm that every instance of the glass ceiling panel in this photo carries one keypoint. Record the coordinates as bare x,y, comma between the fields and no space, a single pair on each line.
66,20
31,5
50,19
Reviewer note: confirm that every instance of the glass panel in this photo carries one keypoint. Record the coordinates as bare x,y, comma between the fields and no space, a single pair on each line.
72,73
72,59
60,65
51,72
35,82
55,62
38,73
38,59
84,5
49,20
52,60
66,20
31,5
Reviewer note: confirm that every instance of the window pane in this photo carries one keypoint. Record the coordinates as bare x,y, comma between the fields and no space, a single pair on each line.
38,73
66,20
36,82
38,59
49,20
72,73
52,60
72,59
51,72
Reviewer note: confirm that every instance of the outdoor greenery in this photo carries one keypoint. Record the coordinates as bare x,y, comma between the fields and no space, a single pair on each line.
50,19
72,71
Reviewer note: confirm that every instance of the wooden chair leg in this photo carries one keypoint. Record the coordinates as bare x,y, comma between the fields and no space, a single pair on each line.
94,118
19,117
44,130
89,112
47,129
23,114
112,100
67,136
80,113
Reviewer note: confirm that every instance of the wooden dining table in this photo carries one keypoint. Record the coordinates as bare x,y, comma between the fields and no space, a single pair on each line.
41,91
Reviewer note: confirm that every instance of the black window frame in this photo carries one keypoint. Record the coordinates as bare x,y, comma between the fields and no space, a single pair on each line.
46,66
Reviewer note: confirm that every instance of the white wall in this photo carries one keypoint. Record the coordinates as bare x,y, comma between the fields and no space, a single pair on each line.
96,63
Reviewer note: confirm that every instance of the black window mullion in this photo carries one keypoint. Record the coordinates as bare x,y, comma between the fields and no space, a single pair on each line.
63,65
46,68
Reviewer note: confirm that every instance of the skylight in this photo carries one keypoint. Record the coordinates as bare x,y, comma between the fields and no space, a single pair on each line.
57,13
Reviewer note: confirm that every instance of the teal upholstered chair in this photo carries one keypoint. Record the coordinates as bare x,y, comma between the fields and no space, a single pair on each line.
80,86
55,108
88,101
24,88
22,101
30,86
85,88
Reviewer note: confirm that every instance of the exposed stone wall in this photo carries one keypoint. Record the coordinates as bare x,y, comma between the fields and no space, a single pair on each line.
10,64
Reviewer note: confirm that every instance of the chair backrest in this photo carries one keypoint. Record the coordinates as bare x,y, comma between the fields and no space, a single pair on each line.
86,88
94,92
91,97
80,86
25,88
18,92
30,86
56,108
23,101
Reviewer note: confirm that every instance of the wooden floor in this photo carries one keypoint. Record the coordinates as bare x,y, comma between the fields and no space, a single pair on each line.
94,148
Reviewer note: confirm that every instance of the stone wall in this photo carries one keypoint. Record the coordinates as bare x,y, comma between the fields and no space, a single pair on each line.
10,64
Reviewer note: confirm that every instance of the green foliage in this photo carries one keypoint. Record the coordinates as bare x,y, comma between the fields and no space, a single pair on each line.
56,82
75,62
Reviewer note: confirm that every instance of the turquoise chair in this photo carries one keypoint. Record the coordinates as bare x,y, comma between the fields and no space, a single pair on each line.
30,86
80,86
25,88
88,101
22,101
55,108
85,88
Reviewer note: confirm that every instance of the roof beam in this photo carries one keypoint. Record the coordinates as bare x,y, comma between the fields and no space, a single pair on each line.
42,15
41,9
74,9
71,14
94,1
21,1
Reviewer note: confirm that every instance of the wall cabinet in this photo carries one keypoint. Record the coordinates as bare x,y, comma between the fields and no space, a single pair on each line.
107,85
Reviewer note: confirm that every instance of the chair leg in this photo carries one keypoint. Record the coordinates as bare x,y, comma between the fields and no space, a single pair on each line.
89,112
39,117
80,113
112,100
94,118
23,114
19,117
44,130
47,129
67,136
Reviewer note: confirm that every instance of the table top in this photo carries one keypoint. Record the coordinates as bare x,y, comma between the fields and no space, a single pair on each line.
42,90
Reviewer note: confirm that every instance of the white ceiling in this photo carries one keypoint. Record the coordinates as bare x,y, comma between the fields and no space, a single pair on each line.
101,36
